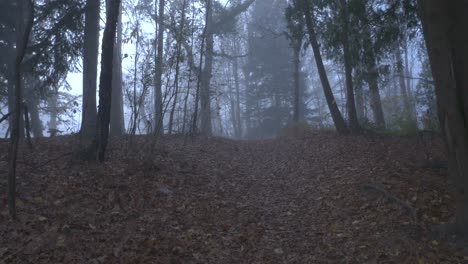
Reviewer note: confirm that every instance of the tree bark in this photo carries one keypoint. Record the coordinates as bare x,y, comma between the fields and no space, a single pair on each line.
372,78
205,98
135,102
117,123
375,101
237,87
27,127
212,27
359,96
90,62
158,100
189,81
403,89
53,114
338,120
348,63
444,24
105,81
297,83
23,31
36,123
193,128
32,102
413,112
11,80
179,39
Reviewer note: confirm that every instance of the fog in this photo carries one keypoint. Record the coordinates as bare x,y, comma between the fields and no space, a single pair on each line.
253,91
236,131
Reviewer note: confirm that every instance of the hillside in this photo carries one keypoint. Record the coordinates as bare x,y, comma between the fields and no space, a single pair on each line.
315,198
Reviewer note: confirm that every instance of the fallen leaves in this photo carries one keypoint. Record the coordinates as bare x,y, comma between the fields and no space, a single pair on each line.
285,200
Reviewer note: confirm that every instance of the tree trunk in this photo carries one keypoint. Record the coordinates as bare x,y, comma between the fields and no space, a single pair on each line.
145,119
179,39
53,114
193,128
22,33
32,101
335,112
136,103
403,89
105,81
191,69
12,93
90,62
350,101
117,123
375,101
297,84
11,81
372,78
205,98
158,100
27,127
348,63
235,103
444,24
413,112
184,119
359,96
36,123
237,86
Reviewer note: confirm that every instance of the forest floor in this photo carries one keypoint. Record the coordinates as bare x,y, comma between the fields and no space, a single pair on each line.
314,198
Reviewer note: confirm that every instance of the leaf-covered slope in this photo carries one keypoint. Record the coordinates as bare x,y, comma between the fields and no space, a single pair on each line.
209,200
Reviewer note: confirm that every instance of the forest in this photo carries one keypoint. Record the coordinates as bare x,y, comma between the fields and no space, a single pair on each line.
233,131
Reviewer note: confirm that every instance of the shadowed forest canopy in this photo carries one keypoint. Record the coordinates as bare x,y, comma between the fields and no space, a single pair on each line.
234,131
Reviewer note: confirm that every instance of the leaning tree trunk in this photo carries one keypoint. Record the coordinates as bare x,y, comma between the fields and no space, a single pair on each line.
117,123
23,31
90,62
444,24
105,81
158,100
327,90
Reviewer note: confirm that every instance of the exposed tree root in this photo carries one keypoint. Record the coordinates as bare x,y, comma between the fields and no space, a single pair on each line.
414,212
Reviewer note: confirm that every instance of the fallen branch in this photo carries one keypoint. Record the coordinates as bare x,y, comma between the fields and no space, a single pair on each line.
414,212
